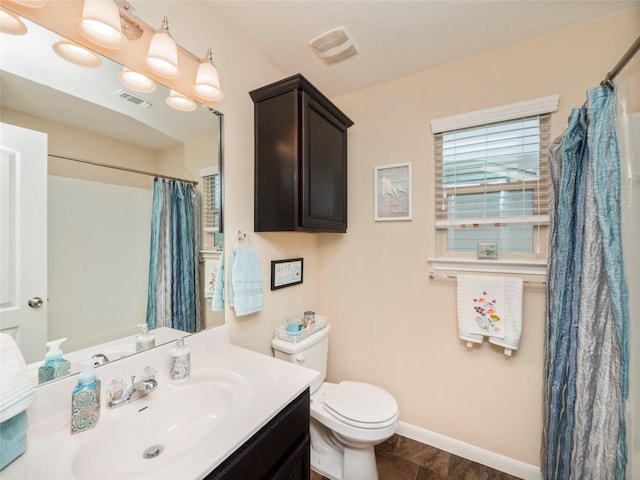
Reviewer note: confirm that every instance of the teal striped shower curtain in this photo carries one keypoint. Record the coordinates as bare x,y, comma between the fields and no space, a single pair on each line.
586,352
173,295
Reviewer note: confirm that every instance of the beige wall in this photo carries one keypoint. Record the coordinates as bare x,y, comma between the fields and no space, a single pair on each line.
75,142
392,325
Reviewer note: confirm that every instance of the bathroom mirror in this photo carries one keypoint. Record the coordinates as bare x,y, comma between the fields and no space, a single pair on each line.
89,115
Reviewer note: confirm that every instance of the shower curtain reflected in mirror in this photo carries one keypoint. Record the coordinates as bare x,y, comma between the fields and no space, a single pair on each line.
173,297
587,330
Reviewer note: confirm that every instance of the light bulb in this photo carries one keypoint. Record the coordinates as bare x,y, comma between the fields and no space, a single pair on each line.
180,102
10,23
136,81
207,84
162,57
100,23
77,54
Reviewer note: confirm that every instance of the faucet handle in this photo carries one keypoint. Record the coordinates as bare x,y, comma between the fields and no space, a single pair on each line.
116,389
99,359
149,372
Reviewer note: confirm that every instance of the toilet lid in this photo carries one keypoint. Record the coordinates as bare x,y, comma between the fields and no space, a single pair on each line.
362,405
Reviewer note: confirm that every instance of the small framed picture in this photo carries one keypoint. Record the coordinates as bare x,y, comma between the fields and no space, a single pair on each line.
487,250
392,192
285,273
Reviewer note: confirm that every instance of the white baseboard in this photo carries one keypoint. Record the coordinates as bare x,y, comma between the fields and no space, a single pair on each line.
471,452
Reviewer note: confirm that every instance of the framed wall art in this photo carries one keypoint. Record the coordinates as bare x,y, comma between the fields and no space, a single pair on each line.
285,273
392,192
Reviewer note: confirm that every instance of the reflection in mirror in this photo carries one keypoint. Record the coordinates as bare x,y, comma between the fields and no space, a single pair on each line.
97,235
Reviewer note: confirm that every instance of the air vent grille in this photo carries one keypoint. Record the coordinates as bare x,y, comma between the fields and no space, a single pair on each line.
134,98
334,46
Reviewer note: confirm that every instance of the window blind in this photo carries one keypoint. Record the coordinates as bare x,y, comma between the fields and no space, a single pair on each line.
492,184
493,174
211,203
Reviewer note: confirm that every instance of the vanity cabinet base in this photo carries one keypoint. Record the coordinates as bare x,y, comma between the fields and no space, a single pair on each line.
279,451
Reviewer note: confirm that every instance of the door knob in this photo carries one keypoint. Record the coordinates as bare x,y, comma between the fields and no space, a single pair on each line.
35,302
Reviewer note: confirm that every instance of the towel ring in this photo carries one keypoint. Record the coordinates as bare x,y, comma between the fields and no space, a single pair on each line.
239,236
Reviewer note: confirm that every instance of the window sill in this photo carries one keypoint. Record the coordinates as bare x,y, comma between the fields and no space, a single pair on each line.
522,267
210,254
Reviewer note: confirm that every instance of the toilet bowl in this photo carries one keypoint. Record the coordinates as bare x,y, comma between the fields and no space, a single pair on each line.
347,419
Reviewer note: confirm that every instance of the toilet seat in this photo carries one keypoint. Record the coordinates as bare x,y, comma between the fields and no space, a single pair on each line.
361,405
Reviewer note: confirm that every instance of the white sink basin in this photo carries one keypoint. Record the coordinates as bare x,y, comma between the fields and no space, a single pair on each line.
146,434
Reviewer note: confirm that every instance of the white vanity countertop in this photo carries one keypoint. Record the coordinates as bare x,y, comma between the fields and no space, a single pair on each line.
268,385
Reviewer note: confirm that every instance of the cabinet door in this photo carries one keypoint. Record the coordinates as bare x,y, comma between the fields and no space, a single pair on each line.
278,451
298,465
276,163
324,169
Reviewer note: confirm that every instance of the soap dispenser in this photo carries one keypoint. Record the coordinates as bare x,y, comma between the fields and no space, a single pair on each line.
85,400
54,366
180,362
145,340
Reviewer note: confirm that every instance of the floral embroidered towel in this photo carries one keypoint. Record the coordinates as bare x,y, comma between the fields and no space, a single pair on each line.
490,306
513,315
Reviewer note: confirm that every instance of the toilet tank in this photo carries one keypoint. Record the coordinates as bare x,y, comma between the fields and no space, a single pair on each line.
310,352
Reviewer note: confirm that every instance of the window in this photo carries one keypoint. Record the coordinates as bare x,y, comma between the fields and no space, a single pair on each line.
210,200
491,179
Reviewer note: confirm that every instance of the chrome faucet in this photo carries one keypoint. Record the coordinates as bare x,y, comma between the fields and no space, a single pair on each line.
122,392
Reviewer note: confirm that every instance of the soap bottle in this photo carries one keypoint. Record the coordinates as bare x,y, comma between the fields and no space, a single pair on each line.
85,400
145,339
54,366
180,362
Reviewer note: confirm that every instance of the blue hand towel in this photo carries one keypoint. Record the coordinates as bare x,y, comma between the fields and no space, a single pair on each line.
217,302
13,438
245,281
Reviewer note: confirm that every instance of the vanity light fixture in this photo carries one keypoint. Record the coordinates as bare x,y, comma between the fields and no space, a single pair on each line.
136,81
74,53
10,23
100,23
207,84
162,57
180,102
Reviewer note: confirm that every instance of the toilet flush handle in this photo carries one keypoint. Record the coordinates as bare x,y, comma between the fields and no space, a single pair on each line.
300,358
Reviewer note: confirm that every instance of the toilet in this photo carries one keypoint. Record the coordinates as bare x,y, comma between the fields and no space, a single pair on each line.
347,419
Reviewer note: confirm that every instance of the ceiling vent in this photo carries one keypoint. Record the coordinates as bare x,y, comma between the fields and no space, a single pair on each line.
135,99
334,46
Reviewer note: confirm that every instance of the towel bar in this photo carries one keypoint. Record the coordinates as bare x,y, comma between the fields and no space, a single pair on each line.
453,277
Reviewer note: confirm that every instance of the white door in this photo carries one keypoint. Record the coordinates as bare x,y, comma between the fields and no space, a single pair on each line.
23,238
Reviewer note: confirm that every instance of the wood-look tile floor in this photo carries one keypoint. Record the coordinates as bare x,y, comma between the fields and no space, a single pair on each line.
401,458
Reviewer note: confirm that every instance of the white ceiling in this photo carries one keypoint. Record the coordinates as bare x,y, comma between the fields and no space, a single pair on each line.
396,37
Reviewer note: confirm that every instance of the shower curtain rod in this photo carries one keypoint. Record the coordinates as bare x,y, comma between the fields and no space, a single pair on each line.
125,169
608,79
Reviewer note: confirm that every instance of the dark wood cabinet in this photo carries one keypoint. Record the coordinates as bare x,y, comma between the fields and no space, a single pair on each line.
300,159
279,451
